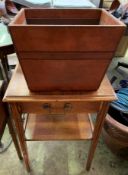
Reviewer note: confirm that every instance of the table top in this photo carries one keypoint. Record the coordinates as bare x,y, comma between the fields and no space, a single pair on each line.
5,38
18,91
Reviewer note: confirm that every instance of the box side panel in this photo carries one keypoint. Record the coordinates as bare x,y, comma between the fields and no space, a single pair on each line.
63,13
64,21
66,55
19,19
64,75
66,38
108,19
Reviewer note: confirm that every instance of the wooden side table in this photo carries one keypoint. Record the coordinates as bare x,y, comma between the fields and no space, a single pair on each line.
57,116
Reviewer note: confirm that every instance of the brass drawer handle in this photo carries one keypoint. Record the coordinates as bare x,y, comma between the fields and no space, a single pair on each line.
47,107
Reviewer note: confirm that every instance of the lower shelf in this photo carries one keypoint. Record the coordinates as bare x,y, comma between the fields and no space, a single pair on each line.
67,127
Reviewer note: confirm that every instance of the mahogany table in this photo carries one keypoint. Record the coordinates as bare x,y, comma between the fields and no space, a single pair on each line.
57,115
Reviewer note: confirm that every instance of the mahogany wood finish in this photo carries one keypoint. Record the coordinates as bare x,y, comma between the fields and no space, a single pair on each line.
14,137
20,132
57,115
18,91
58,127
59,107
68,49
97,130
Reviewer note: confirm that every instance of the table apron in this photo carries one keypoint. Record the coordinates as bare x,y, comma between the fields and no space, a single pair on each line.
58,107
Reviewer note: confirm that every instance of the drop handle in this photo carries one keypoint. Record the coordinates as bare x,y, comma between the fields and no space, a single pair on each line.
47,107
67,107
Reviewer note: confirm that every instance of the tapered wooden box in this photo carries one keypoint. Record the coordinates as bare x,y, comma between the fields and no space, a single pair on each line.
65,49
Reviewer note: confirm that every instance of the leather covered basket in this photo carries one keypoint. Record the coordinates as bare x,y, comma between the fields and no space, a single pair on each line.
65,49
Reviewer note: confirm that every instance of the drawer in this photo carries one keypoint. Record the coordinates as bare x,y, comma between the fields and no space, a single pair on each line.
59,107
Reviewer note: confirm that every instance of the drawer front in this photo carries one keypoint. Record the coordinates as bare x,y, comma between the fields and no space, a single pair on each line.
51,108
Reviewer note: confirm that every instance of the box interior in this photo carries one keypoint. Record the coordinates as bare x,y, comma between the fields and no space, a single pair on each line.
65,17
